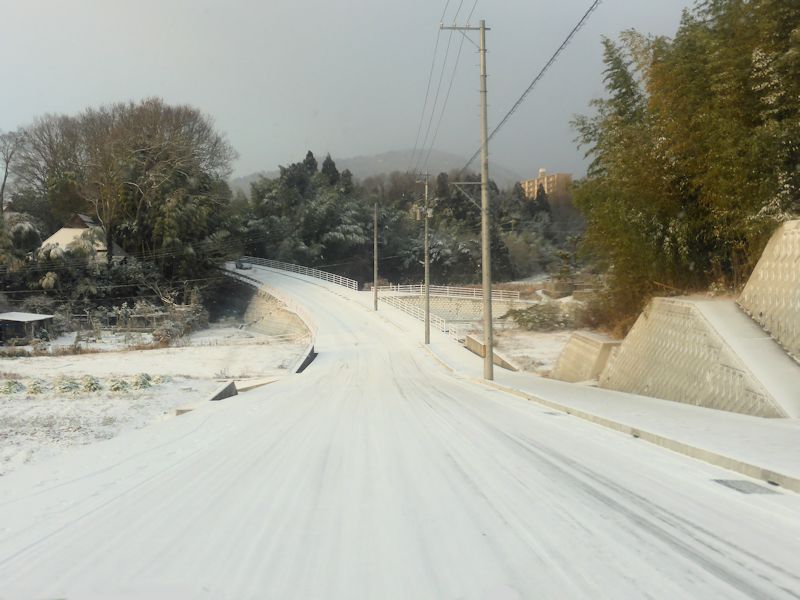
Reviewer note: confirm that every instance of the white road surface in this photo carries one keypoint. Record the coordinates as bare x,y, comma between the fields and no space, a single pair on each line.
377,474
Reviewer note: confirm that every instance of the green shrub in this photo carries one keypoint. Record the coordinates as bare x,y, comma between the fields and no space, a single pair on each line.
119,385
11,386
142,381
90,384
66,385
546,316
36,386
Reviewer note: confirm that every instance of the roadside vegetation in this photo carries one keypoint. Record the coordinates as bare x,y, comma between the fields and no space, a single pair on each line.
153,179
314,215
695,156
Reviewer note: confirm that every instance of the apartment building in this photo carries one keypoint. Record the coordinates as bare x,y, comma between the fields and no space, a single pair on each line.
556,185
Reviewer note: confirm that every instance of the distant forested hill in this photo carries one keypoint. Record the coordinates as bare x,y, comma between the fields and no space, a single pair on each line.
398,160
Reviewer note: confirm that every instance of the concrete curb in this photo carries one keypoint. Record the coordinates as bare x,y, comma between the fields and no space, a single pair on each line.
245,385
726,462
788,482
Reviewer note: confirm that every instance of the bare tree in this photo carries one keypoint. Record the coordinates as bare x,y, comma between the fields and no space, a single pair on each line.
137,155
48,148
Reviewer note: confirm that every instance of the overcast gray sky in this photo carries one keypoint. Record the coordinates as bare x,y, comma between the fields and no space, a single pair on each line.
282,76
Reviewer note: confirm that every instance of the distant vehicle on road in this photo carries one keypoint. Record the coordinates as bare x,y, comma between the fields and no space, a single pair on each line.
243,265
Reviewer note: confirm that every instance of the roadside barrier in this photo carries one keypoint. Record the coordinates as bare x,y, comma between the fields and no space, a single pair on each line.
448,290
309,272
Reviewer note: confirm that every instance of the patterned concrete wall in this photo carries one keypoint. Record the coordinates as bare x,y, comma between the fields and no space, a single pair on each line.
584,357
674,353
460,309
772,295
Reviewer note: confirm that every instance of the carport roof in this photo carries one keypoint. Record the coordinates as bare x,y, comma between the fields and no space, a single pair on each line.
21,317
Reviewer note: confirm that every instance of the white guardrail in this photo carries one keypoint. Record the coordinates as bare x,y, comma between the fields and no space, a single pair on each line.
300,270
396,302
449,290
419,314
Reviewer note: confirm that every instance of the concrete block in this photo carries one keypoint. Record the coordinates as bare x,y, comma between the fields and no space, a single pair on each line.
476,346
584,357
226,390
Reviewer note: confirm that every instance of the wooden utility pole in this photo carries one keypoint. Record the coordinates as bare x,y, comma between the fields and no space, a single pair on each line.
427,259
375,257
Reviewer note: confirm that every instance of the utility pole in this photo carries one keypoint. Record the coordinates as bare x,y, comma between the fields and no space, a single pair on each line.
427,265
486,257
375,257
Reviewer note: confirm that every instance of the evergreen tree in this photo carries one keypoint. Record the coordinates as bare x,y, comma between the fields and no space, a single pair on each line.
329,170
310,163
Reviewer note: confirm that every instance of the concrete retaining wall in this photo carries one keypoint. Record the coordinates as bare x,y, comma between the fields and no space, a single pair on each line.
267,315
584,357
292,304
460,309
477,346
673,352
772,295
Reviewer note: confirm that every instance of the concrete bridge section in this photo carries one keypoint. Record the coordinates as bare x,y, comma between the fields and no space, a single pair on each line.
707,353
772,295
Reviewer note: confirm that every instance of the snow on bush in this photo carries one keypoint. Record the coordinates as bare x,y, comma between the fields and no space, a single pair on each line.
36,386
11,387
119,385
142,380
90,384
166,332
66,385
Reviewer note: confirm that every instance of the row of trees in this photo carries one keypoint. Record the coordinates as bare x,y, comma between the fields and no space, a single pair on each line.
316,216
154,176
695,152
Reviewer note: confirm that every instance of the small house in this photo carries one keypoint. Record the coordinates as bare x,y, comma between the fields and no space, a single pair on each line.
22,326
74,230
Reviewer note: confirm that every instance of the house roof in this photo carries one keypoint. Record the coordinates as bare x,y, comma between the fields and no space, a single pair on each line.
22,317
66,235
80,220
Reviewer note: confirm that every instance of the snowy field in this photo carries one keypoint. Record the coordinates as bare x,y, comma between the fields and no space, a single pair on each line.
534,351
52,403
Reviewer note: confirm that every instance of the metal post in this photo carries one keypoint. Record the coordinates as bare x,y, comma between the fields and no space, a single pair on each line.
427,272
486,253
375,258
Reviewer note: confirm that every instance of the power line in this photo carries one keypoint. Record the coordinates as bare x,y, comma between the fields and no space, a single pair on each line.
428,89
449,89
538,78
438,87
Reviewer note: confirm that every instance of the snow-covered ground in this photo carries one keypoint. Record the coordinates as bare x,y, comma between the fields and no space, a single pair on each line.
376,473
34,426
533,351
51,403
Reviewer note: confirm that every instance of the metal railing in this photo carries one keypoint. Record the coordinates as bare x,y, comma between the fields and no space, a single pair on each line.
449,290
416,312
300,270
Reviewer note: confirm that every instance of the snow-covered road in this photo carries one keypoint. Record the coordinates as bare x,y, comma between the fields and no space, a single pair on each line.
377,474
